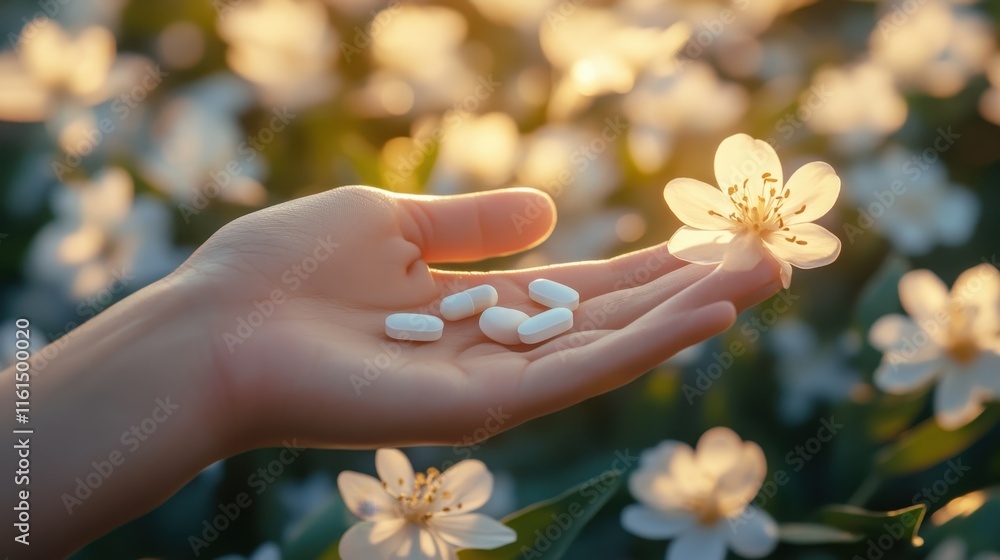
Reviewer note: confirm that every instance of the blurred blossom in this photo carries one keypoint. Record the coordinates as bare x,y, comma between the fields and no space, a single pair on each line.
284,47
858,106
701,498
51,70
266,551
576,164
989,103
195,141
935,47
597,53
103,241
181,45
419,50
303,497
525,14
418,516
757,214
910,200
810,374
669,101
580,237
955,548
950,338
477,152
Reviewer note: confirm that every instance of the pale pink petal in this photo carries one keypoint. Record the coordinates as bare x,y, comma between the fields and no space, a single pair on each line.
924,296
978,290
804,246
740,484
395,470
472,530
364,496
813,190
741,159
699,246
957,401
890,332
755,534
653,524
698,204
745,251
786,274
718,449
468,483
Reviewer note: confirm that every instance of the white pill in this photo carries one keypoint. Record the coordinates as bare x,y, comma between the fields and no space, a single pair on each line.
501,323
553,294
414,326
545,325
466,304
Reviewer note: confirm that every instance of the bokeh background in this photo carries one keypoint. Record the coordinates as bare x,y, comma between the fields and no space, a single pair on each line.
131,131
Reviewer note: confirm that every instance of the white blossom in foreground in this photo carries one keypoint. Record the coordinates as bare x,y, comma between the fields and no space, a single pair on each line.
418,516
951,338
700,498
755,211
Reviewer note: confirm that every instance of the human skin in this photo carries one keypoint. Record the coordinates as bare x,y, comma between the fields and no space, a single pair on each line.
318,370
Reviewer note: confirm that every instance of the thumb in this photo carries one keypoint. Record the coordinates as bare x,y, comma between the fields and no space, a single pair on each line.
476,226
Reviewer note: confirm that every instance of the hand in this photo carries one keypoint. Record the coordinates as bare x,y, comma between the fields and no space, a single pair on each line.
300,293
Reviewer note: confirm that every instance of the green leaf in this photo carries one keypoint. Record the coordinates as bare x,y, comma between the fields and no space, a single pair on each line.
900,524
929,444
892,414
811,533
880,296
318,534
545,530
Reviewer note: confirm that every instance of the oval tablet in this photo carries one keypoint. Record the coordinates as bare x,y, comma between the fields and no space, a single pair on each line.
414,326
553,294
545,325
466,304
500,324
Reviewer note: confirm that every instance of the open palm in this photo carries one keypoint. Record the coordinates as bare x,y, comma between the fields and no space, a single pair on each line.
302,352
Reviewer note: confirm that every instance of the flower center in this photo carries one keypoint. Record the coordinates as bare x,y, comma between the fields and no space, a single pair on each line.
962,346
762,213
415,504
705,509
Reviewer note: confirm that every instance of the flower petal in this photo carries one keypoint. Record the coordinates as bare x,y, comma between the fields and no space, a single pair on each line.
701,543
923,295
740,484
814,189
744,252
659,457
956,401
718,450
985,374
364,496
367,540
786,274
899,377
741,158
804,246
978,289
956,216
755,534
652,524
698,204
890,332
395,470
468,483
472,530
699,246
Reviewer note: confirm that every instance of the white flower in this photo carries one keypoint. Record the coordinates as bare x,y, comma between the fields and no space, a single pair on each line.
102,241
951,338
910,200
756,213
810,373
955,548
700,498
418,516
858,106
